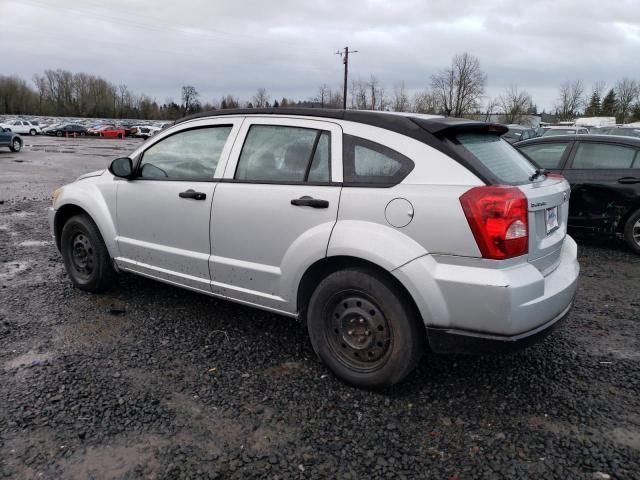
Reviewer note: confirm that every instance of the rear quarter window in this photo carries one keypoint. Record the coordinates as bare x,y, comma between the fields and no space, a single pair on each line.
504,162
547,155
370,163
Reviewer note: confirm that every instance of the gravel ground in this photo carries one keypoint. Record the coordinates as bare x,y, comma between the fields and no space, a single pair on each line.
151,381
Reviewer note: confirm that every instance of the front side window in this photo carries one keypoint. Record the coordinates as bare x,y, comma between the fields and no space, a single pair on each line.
547,155
187,154
367,162
603,156
506,163
273,153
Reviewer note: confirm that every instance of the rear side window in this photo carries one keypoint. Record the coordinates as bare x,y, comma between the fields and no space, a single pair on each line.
600,155
187,154
273,153
367,162
547,155
505,162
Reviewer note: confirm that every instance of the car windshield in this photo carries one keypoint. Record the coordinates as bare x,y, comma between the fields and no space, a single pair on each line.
506,163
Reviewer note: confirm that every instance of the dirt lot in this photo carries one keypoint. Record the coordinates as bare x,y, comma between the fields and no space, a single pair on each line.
151,381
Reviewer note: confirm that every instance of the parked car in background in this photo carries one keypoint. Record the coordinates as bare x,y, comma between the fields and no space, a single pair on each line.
517,133
112,132
68,130
96,129
52,126
144,131
624,131
381,232
10,139
604,172
553,131
23,127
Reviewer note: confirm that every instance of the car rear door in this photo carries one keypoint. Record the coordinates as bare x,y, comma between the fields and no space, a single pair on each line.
274,211
163,214
605,180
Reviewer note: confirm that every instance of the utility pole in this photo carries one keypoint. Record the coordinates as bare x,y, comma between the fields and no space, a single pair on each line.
345,60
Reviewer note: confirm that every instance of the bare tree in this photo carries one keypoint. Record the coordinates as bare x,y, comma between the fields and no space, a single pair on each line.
359,95
426,102
460,86
492,105
229,102
261,98
400,100
627,91
570,100
515,104
190,99
324,95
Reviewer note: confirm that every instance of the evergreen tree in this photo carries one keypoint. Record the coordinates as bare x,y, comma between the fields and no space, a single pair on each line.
276,104
594,108
609,104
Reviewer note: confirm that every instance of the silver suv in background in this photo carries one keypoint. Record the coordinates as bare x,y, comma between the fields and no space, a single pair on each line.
385,234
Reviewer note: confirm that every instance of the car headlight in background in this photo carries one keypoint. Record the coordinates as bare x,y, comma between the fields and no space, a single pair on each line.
55,195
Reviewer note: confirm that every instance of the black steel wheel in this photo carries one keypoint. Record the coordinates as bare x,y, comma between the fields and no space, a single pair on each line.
85,255
364,327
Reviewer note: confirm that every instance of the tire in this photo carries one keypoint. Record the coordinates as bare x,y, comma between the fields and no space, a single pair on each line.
82,134
16,145
85,255
120,136
58,134
364,328
632,231
32,132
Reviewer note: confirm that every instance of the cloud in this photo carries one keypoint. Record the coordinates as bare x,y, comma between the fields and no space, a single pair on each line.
288,46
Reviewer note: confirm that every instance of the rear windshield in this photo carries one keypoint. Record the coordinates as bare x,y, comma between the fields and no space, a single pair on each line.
507,164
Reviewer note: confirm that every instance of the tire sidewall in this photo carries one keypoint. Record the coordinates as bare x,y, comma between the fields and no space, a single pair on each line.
628,232
403,324
82,224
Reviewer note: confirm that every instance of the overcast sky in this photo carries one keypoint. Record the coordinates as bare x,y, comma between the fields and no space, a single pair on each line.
288,46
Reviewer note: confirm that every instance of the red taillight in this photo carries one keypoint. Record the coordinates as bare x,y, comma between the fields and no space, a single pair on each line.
498,219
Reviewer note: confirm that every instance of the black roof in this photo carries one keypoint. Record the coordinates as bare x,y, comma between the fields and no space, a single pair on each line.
405,124
619,139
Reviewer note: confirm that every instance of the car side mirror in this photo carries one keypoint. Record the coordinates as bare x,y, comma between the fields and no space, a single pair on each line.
122,167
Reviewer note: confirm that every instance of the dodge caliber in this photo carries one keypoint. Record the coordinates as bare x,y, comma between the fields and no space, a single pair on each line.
385,234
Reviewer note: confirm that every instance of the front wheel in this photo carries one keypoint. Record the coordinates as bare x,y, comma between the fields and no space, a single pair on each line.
632,231
59,134
85,255
16,145
32,132
364,328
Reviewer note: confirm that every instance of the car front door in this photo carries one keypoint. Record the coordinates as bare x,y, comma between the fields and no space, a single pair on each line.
275,209
605,180
163,214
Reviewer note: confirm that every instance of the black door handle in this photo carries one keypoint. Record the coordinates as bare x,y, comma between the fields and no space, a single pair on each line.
629,180
310,202
193,194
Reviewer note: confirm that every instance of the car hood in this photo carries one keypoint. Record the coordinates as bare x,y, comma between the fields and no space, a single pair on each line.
97,173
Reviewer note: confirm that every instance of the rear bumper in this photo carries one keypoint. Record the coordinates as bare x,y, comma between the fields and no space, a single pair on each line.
443,340
471,301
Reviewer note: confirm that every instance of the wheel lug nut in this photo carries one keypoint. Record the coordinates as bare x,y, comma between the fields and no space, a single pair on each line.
350,332
361,320
368,332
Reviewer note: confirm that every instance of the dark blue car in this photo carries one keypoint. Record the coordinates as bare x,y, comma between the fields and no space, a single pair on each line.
10,139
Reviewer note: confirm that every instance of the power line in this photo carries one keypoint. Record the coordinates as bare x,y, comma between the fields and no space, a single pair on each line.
345,60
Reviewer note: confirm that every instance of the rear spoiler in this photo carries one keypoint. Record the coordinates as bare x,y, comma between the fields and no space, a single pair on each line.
457,125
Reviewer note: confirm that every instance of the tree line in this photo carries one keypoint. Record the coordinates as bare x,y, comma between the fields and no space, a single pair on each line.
458,90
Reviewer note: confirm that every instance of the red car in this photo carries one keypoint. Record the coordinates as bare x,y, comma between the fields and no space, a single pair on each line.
112,132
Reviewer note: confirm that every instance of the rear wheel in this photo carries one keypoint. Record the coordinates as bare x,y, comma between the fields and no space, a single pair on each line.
85,255
32,132
632,231
364,328
59,133
16,145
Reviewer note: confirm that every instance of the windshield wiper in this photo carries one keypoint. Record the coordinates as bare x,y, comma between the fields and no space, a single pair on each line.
538,173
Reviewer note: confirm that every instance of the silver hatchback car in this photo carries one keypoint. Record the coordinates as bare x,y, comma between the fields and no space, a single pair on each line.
386,234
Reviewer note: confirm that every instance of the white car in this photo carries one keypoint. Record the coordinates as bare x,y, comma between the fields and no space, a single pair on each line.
144,131
22,127
382,233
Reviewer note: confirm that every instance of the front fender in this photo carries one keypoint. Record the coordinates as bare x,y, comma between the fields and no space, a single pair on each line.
98,199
